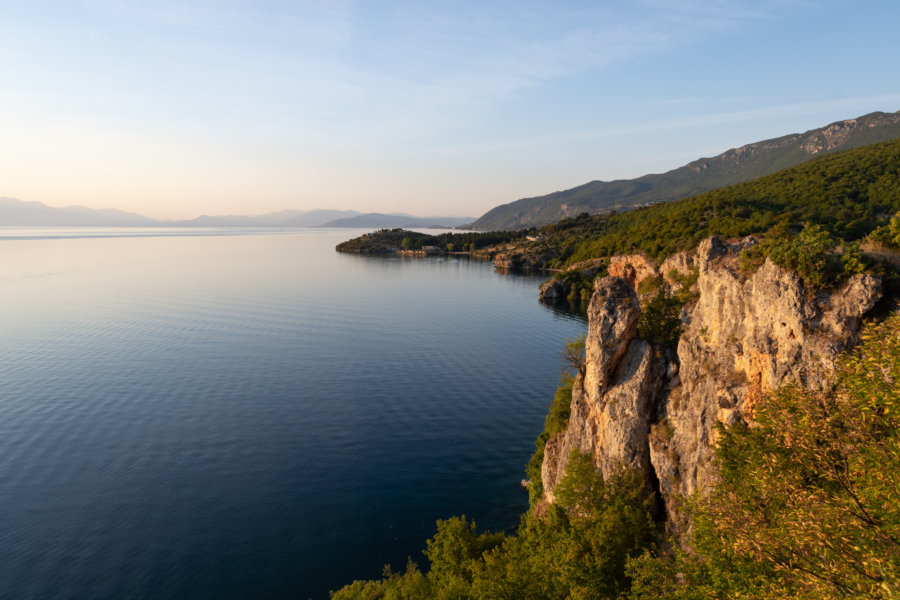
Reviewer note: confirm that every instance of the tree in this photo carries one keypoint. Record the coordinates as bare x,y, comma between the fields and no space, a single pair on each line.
574,355
660,319
808,253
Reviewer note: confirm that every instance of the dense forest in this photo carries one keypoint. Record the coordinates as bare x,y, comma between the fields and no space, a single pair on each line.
849,194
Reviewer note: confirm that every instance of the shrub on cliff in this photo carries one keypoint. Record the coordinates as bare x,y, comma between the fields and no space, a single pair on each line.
660,319
556,420
812,254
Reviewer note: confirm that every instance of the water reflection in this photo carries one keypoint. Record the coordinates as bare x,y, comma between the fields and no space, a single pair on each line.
238,416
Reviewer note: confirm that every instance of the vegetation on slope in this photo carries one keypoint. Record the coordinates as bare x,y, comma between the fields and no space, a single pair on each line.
807,504
387,241
848,194
557,418
811,254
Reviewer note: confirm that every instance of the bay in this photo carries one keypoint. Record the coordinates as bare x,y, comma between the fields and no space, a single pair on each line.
249,414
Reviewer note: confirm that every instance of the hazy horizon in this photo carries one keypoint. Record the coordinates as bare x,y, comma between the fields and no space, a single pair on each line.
175,110
349,211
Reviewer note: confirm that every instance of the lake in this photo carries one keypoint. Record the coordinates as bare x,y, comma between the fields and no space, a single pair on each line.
249,414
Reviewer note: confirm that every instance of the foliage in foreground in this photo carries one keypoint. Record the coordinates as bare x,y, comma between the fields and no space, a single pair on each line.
888,235
808,505
579,550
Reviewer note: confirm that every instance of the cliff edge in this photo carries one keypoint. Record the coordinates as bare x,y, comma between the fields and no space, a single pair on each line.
642,405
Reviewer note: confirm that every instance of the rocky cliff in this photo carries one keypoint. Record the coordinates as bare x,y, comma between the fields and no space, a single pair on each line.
642,405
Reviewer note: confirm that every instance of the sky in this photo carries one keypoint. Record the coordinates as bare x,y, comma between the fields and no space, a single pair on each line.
174,109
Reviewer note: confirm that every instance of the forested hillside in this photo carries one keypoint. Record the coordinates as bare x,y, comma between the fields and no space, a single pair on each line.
734,166
850,194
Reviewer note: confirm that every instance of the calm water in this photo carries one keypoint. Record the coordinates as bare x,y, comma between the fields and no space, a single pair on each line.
250,415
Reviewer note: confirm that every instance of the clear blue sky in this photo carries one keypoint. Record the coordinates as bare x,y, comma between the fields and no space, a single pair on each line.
177,108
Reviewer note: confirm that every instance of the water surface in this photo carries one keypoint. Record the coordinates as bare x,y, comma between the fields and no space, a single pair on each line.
252,415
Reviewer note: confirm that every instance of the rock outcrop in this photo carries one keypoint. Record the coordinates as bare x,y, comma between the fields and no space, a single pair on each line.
638,405
633,268
612,400
554,290
678,268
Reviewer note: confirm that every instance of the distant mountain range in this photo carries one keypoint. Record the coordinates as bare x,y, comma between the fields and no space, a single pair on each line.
397,220
16,213
734,166
282,218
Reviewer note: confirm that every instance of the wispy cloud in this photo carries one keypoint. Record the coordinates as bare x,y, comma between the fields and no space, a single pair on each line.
510,49
696,121
393,72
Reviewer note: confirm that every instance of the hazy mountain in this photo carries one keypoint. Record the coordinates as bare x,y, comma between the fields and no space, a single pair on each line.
309,218
36,214
282,218
397,220
733,166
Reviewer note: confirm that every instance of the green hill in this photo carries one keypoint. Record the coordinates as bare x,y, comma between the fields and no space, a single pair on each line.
734,166
850,194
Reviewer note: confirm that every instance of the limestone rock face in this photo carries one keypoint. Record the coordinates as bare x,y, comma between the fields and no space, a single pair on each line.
613,314
504,262
677,266
554,290
633,268
611,403
744,336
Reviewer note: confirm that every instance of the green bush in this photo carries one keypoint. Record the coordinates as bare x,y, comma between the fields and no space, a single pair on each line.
579,550
809,254
888,235
812,254
556,420
660,319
